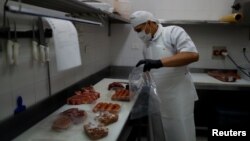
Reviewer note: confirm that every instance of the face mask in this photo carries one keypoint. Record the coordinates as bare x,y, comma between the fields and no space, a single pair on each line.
145,37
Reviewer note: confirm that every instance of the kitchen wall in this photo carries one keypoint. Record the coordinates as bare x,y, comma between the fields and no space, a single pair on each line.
123,48
29,79
127,48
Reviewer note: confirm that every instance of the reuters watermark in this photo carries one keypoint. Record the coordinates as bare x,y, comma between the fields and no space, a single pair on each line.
228,133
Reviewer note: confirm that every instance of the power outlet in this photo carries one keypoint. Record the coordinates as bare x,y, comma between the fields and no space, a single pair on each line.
217,52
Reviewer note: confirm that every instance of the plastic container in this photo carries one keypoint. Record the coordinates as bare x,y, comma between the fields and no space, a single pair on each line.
102,6
123,7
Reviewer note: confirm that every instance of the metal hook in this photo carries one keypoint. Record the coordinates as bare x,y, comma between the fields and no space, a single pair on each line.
101,18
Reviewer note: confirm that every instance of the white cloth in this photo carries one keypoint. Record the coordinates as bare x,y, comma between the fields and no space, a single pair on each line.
140,17
174,85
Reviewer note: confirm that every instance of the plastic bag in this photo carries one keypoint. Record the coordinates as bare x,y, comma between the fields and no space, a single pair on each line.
142,85
136,81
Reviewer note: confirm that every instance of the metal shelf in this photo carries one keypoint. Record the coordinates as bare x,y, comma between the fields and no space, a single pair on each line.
75,7
44,12
203,22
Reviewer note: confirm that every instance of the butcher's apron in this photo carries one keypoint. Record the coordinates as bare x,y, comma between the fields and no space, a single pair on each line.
177,94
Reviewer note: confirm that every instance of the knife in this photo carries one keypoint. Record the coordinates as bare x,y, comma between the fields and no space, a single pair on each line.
15,47
44,49
34,44
10,46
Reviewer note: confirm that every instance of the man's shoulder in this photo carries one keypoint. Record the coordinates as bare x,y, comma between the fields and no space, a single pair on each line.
173,29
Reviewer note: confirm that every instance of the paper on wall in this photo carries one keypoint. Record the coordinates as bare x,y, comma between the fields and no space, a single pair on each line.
66,43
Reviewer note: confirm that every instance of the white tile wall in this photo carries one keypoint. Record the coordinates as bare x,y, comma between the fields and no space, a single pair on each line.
41,90
123,48
234,38
22,73
185,10
4,72
205,37
27,92
30,80
126,47
6,104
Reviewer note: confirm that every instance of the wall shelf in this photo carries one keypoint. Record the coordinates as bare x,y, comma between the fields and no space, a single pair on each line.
75,7
203,22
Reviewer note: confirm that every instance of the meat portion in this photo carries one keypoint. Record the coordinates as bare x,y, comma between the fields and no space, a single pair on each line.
224,75
115,86
107,118
88,89
121,95
61,123
86,96
77,116
110,107
95,132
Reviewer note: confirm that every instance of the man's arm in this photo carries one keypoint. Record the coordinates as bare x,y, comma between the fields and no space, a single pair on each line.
180,59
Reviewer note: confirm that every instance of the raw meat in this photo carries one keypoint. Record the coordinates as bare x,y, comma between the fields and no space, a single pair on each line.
110,107
61,123
122,95
95,132
115,85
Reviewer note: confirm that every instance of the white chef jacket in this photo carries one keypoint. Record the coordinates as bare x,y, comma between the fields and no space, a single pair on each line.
174,84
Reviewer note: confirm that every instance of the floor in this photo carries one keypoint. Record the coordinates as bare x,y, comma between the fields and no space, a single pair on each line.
199,138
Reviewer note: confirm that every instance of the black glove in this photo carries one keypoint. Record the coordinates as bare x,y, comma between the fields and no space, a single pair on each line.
150,64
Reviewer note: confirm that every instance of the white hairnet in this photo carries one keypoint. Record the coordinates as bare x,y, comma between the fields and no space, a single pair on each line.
140,17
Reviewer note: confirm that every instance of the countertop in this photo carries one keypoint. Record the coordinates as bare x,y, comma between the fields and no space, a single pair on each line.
203,79
42,130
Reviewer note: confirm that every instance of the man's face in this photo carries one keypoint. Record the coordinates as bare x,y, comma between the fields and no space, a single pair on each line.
140,27
147,27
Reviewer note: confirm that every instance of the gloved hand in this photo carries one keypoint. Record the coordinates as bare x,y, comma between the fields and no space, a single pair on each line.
150,64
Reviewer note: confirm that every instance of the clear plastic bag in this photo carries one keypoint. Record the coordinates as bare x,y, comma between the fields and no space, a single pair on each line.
142,85
136,80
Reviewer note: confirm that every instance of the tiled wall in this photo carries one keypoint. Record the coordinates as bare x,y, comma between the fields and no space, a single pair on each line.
123,48
185,9
176,9
127,48
30,80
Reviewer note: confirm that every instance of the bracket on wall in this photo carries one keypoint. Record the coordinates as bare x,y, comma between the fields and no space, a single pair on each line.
24,34
109,27
249,33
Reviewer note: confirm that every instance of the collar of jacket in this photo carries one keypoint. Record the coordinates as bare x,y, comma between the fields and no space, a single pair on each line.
158,32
